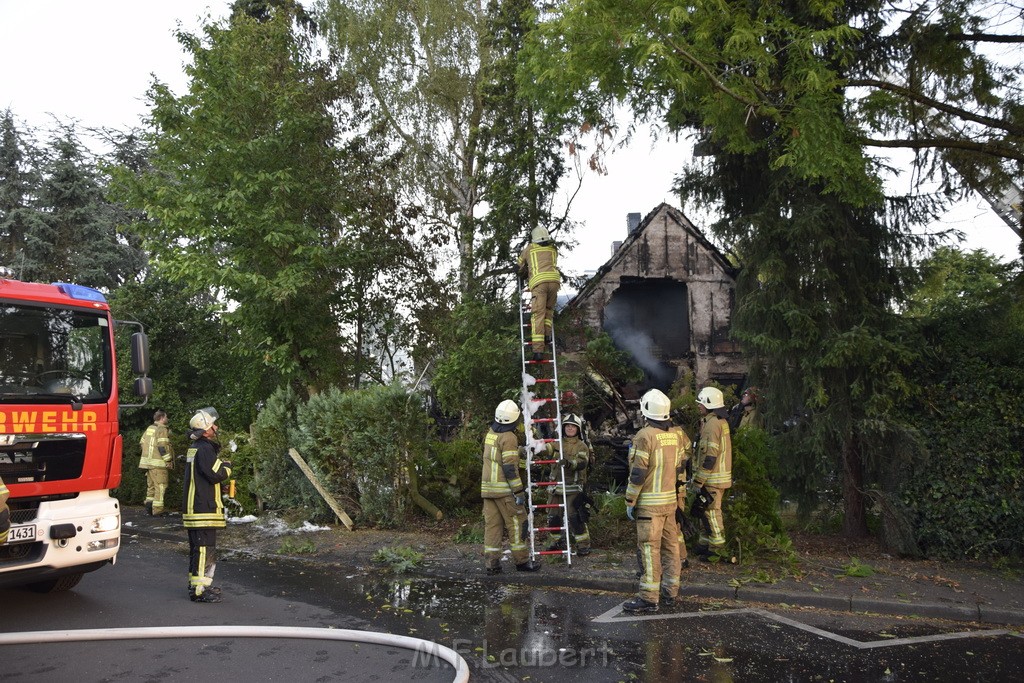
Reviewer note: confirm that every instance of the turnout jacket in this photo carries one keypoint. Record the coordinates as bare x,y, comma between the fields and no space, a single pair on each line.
714,453
655,459
574,450
539,261
204,471
500,474
156,448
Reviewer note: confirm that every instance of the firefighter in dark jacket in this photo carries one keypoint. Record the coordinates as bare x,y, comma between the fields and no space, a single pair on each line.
202,509
503,492
574,458
5,513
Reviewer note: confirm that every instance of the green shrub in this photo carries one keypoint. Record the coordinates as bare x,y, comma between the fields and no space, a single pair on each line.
752,521
276,480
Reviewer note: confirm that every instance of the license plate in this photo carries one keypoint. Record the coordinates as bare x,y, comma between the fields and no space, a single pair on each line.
21,534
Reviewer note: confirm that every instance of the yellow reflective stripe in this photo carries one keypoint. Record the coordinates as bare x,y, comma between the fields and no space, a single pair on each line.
653,498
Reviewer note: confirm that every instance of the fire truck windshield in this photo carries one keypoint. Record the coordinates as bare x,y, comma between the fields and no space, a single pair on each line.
53,354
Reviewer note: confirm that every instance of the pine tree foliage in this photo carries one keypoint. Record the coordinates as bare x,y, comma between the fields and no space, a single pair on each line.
56,223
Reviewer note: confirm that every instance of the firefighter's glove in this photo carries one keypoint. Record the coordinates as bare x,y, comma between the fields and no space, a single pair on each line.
629,513
520,499
565,463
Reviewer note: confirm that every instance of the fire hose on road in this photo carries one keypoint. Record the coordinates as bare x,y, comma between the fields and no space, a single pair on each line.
424,647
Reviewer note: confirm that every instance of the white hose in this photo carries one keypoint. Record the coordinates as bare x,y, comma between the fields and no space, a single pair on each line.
426,647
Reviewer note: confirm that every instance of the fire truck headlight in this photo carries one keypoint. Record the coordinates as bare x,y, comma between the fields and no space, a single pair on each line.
101,545
107,523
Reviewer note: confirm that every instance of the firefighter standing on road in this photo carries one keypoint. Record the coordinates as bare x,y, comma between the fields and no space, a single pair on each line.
202,511
502,491
714,463
539,263
157,459
5,513
574,458
655,459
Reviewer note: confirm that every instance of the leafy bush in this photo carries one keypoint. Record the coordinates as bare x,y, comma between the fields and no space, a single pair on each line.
752,519
480,366
276,480
967,498
451,477
363,442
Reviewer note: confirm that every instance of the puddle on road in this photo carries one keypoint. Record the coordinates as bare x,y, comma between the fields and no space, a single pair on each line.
548,634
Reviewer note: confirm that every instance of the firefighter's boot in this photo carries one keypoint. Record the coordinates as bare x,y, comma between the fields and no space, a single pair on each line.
639,606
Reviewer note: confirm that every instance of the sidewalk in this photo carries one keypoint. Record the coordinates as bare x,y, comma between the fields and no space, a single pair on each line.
957,591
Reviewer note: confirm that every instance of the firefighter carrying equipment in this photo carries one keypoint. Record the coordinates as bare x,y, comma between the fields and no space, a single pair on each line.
655,405
711,398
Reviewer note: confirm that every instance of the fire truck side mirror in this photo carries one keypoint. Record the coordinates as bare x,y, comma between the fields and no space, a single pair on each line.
140,357
143,386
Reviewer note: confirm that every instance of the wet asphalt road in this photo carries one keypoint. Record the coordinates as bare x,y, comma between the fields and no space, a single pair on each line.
506,632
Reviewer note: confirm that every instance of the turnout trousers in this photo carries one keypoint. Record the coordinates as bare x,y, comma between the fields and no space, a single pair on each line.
657,538
156,487
502,514
542,312
202,559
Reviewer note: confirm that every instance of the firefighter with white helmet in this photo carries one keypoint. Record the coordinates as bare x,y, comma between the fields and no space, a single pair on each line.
655,460
573,459
202,509
503,492
714,468
538,264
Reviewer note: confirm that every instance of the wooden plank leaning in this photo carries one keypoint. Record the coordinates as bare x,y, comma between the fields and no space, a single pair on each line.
319,488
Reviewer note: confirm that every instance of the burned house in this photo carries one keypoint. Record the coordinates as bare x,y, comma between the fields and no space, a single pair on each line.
666,297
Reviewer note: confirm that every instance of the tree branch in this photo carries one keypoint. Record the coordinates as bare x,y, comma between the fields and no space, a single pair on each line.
937,104
985,38
986,148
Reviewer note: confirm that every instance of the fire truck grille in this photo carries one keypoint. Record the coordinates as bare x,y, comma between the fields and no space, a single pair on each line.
51,457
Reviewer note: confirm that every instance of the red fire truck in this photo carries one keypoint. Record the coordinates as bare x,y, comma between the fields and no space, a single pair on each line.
60,449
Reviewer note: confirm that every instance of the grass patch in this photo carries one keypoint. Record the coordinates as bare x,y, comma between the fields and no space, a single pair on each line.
398,559
291,546
858,569
470,533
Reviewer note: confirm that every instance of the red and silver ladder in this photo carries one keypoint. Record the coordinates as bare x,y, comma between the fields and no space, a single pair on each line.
540,378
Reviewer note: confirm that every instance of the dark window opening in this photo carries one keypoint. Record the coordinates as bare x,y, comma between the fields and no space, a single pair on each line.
650,320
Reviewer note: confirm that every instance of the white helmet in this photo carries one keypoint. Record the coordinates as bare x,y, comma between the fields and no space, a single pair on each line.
572,419
711,398
203,419
655,405
540,234
506,413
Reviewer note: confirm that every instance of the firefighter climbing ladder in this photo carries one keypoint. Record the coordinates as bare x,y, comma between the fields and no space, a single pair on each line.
536,442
